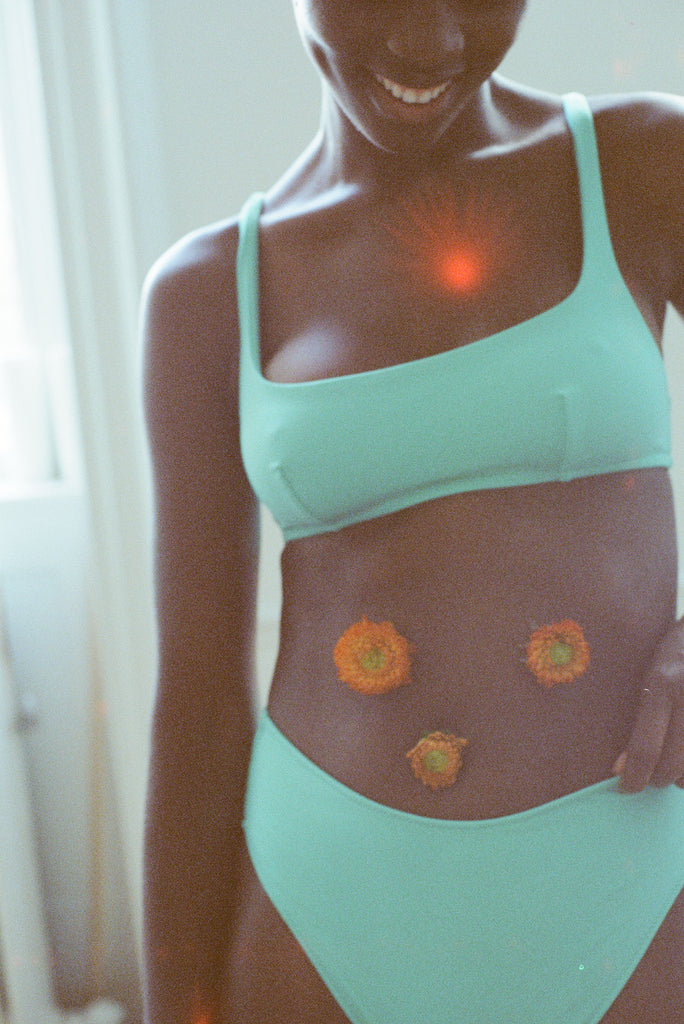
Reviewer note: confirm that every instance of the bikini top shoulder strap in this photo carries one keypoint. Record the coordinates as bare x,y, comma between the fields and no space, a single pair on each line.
247,281
597,243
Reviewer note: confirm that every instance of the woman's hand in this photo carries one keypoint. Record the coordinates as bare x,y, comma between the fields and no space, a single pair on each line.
655,752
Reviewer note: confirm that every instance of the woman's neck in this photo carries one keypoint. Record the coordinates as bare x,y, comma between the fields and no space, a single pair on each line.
345,157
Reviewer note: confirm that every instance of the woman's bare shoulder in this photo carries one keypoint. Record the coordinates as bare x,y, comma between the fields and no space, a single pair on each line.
646,132
641,145
649,117
189,320
195,276
646,107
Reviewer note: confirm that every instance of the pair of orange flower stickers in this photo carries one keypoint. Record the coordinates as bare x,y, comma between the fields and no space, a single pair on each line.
373,658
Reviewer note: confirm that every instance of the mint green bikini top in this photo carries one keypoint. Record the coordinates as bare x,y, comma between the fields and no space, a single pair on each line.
576,391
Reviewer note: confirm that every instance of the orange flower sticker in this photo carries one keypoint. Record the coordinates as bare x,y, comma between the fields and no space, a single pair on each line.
436,759
557,653
371,657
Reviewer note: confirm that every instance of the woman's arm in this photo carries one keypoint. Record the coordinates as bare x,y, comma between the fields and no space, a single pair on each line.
654,128
648,144
663,145
206,555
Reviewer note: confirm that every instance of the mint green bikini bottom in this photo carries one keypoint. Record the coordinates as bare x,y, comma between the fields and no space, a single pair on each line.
533,918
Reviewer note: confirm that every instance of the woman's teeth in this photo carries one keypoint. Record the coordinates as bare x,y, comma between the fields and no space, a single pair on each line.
400,92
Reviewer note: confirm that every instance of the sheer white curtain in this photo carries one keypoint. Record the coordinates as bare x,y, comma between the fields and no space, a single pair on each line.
25,432
37,414
70,417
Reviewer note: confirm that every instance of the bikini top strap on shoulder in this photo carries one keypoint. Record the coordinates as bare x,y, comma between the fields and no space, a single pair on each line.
598,249
247,278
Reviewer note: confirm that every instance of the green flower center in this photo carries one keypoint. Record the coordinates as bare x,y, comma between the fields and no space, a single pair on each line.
373,659
561,653
436,761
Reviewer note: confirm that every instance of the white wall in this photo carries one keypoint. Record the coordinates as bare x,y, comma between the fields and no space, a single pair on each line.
217,101
599,46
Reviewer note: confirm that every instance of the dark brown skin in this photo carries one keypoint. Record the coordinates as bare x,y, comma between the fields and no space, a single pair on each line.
464,577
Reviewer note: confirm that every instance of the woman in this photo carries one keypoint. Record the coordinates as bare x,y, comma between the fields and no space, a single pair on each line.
440,369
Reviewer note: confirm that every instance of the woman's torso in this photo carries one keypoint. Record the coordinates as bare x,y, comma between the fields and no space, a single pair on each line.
464,578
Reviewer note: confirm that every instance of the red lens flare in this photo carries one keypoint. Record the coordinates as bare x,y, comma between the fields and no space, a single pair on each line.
453,244
460,271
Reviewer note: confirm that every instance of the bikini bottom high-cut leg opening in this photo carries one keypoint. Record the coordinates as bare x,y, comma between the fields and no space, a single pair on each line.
533,918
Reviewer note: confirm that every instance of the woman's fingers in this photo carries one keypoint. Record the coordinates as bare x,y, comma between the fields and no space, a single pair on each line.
655,752
647,742
670,767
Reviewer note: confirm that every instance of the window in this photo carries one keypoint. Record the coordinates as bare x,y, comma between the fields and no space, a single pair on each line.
39,444
26,445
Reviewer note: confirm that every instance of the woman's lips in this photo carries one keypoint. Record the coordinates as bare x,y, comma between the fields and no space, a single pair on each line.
411,95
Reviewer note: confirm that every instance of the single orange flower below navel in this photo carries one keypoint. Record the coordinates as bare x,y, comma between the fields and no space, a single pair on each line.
557,653
436,759
371,657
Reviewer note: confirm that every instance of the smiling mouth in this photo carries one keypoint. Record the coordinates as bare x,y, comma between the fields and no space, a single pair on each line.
409,95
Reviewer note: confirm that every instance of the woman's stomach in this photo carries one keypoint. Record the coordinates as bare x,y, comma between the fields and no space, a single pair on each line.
523,619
